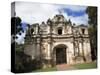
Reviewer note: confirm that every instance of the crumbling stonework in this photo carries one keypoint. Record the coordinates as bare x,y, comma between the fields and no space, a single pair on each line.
59,41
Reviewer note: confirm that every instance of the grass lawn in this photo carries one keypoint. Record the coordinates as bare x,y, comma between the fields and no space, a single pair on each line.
46,69
86,65
77,66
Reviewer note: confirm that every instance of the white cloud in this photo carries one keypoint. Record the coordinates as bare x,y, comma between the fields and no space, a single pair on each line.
20,39
80,20
36,13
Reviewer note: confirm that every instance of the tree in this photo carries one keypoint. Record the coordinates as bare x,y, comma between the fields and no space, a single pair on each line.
20,61
92,16
92,13
15,25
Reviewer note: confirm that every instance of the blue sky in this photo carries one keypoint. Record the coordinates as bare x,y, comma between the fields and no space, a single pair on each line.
70,12
24,25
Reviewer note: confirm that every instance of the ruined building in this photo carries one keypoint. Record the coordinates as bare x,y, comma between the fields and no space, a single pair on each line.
59,41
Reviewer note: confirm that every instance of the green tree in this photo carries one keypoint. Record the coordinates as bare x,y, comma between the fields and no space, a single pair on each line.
20,61
15,25
92,16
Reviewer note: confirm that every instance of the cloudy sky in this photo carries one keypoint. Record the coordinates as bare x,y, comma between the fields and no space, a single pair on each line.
37,12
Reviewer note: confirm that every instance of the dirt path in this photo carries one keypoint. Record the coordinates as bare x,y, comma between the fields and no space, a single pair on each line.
64,67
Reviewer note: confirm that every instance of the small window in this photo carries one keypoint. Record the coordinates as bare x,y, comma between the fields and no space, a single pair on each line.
32,30
83,31
60,31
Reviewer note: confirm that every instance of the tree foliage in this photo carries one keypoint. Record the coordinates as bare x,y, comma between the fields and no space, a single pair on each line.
22,61
15,25
92,13
92,16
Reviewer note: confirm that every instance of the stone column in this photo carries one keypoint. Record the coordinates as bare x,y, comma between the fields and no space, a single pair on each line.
87,51
48,51
36,29
38,48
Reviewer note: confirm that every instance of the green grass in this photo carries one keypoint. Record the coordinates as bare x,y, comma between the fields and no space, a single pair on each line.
46,69
85,65
77,66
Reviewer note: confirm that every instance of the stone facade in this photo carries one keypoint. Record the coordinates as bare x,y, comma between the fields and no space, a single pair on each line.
59,41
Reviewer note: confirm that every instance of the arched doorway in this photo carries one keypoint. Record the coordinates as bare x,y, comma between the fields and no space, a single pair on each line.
59,54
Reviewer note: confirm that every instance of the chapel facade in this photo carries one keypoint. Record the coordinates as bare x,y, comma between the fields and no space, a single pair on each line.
59,41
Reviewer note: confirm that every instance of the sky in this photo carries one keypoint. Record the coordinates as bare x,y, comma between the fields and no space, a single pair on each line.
38,12
20,39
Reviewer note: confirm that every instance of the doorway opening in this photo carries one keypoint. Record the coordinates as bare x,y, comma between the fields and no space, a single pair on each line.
60,55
